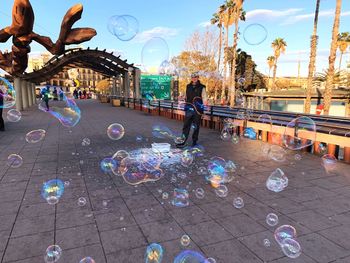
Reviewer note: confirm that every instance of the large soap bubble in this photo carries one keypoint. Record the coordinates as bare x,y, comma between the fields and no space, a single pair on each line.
35,136
329,162
8,93
283,232
167,68
52,191
124,27
134,173
276,153
154,253
291,248
255,34
277,181
299,133
154,52
180,198
14,160
87,260
115,131
66,111
14,115
53,253
108,165
190,256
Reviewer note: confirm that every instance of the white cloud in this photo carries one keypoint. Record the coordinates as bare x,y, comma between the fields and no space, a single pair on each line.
263,14
298,18
163,32
204,24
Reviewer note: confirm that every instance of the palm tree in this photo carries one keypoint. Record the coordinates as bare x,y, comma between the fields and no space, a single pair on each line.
271,62
312,62
238,14
343,44
279,46
217,19
333,52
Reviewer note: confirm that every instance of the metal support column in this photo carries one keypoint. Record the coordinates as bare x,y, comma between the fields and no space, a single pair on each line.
18,89
126,84
24,94
30,94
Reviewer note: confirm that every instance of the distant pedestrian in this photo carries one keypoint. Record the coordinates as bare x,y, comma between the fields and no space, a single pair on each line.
60,93
85,94
80,94
2,124
75,93
54,93
45,94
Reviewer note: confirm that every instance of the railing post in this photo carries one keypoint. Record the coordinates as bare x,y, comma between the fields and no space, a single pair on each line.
134,103
211,117
128,102
347,154
264,136
159,107
149,107
172,110
331,149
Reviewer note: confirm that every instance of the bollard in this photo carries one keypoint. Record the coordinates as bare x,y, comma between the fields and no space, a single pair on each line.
347,154
264,136
331,149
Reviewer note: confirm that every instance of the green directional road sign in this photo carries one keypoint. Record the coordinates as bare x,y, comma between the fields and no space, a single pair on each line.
156,86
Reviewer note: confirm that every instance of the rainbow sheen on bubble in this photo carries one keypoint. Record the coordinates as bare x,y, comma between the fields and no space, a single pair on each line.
87,260
14,115
108,165
154,53
221,191
185,240
53,253
238,202
52,191
124,27
186,159
162,132
283,232
154,253
277,181
180,198
66,112
35,136
291,248
190,256
8,93
299,133
115,131
272,219
14,160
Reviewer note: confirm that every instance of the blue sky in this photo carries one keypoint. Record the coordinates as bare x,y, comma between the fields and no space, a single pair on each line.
176,20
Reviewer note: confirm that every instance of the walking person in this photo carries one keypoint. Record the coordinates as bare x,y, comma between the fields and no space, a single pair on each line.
45,93
196,98
2,124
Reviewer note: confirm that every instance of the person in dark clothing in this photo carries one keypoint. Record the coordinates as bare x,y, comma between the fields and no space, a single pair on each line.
45,95
60,93
2,124
75,93
85,94
196,98
54,93
80,94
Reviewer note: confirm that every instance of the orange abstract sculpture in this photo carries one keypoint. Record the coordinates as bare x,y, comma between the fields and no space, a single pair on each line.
21,30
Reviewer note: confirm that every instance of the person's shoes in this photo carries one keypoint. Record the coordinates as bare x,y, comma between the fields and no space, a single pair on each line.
194,143
181,145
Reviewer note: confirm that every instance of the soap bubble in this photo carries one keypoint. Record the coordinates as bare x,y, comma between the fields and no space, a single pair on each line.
186,159
134,173
180,198
8,93
14,160
120,155
211,260
267,242
66,111
322,149
225,134
272,219
299,133
87,260
139,138
115,131
52,191
202,170
329,162
53,253
291,248
150,161
86,142
241,81
108,165
283,232
255,34
14,115
277,181
217,172
221,191
199,193
277,153
297,157
167,68
238,202
154,253
165,195
162,132
235,138
35,136
185,240
124,27
154,52
190,256
81,201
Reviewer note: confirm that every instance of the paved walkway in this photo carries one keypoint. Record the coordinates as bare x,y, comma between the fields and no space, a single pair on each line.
119,221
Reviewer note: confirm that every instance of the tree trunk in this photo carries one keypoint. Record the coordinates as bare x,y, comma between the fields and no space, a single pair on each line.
340,60
274,75
225,67
220,47
268,81
232,91
332,56
312,62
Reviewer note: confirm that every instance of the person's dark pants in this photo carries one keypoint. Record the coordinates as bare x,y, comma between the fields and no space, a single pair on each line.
47,104
192,117
2,124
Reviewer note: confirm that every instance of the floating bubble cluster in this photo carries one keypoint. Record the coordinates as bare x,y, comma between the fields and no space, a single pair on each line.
35,136
53,253
154,253
299,133
67,111
190,256
52,191
124,27
220,171
272,219
277,181
14,160
87,260
14,115
254,34
115,131
185,240
180,198
154,53
8,93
